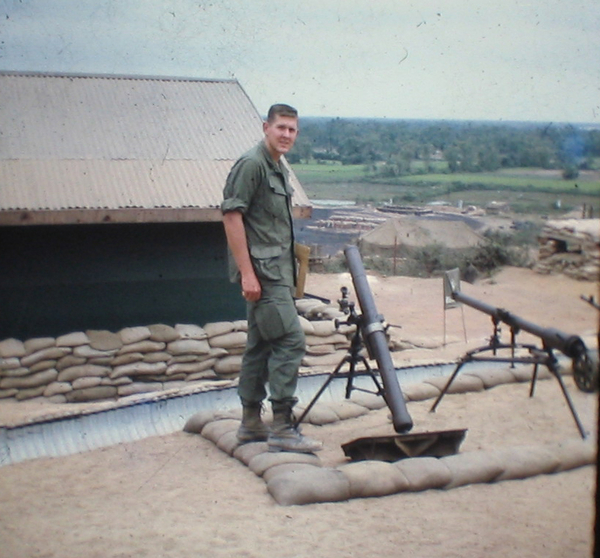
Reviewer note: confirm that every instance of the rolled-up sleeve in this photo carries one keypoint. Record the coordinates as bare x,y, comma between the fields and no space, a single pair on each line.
240,186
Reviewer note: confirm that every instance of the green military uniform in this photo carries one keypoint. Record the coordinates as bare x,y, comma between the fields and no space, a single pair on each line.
259,188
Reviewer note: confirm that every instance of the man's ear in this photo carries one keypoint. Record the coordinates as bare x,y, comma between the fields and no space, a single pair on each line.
265,126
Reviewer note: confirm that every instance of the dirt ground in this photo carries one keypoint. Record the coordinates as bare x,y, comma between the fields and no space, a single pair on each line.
180,496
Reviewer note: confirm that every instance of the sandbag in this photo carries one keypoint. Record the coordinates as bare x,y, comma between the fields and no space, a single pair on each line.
134,334
49,353
91,394
307,486
103,340
324,328
521,462
79,371
228,442
264,461
190,331
12,348
163,333
306,325
493,377
424,473
229,340
88,382
319,414
574,453
218,328
420,392
327,360
228,367
37,344
57,388
370,401
346,409
189,346
31,380
472,467
286,468
461,384
215,429
72,339
374,478
246,452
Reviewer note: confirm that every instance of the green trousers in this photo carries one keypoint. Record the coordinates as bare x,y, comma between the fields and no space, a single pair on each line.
274,349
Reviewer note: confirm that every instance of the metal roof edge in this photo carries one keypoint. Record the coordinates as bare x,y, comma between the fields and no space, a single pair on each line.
108,216
21,217
83,75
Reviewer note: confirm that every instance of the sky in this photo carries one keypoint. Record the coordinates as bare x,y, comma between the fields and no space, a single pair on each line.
511,60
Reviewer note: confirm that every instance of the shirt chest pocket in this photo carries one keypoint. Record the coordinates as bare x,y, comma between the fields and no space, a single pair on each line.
277,199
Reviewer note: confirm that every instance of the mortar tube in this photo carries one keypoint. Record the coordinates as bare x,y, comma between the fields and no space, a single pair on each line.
376,340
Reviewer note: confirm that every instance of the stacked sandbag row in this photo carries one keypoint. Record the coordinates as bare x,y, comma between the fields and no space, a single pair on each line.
295,478
571,247
99,365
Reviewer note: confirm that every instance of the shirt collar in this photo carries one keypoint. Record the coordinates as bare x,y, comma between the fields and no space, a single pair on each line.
265,151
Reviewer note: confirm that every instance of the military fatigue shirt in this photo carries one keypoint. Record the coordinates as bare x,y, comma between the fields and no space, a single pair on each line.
259,188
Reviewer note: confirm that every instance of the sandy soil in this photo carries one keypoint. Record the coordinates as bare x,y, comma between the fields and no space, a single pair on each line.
179,496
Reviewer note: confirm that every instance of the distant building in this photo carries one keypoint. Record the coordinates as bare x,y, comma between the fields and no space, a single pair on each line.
571,247
109,200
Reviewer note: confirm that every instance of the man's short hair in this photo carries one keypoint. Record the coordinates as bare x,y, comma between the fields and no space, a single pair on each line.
281,110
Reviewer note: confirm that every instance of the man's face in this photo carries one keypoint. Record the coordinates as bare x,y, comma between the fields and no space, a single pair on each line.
280,135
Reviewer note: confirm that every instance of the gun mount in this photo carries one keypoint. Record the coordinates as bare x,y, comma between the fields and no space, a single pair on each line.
572,346
584,370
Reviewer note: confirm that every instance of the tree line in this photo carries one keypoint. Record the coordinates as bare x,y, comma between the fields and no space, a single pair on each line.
391,147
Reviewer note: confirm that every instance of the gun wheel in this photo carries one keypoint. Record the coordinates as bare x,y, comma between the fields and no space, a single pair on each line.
585,373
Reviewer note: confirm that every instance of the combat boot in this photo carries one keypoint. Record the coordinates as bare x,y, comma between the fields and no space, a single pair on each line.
252,429
285,436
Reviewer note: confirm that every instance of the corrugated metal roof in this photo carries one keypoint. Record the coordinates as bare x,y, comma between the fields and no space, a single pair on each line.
94,148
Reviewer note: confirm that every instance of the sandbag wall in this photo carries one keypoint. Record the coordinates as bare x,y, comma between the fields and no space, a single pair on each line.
572,247
101,365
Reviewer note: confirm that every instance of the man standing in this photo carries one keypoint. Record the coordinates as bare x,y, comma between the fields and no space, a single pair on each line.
257,216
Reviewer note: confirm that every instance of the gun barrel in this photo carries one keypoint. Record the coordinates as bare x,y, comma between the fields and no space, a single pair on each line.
377,342
571,345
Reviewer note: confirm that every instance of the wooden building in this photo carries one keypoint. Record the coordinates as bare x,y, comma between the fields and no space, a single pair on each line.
109,200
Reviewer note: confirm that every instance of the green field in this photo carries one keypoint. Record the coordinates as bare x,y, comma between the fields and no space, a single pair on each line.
585,184
316,173
527,190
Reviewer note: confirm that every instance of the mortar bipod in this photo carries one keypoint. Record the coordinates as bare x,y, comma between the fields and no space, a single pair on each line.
353,358
381,448
371,331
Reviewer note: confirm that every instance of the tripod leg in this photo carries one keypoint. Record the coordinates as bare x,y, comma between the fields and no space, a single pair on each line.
380,390
350,383
512,347
447,386
368,370
333,375
556,373
533,379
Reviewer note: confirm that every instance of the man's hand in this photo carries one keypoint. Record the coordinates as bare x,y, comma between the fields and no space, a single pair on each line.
251,289
236,238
